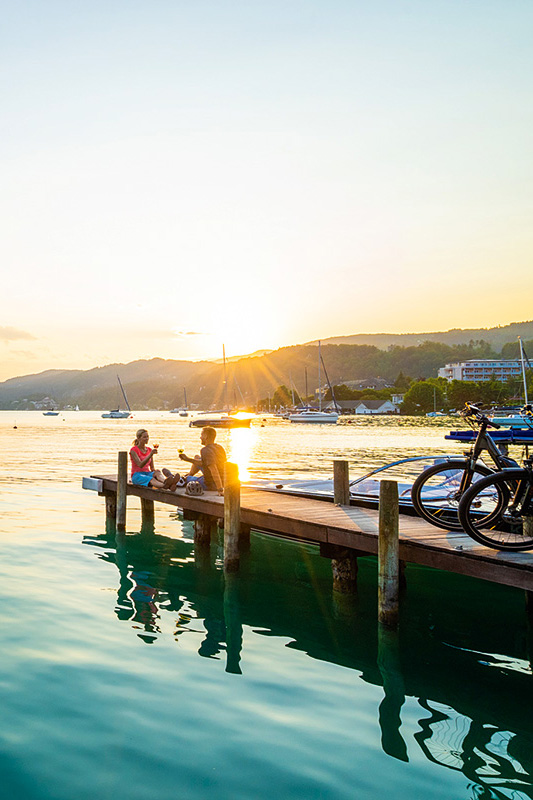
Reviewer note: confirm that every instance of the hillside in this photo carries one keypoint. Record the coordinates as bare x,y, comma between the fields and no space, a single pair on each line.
159,383
496,337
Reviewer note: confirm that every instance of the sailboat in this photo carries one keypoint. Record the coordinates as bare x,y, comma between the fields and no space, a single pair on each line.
117,413
221,419
518,419
184,410
435,413
313,414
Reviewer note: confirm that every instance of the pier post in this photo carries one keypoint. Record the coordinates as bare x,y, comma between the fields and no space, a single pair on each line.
388,555
344,569
232,517
111,508
203,527
147,514
122,481
344,566
341,482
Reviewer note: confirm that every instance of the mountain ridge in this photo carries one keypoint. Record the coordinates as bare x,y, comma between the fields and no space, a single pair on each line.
159,383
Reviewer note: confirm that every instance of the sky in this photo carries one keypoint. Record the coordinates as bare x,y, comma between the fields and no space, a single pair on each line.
179,174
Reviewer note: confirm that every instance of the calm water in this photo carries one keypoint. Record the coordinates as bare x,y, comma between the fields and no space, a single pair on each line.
130,671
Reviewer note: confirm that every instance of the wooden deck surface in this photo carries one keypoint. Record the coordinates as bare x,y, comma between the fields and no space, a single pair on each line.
353,527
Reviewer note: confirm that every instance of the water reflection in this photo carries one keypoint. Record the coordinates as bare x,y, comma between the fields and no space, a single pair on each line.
241,446
443,696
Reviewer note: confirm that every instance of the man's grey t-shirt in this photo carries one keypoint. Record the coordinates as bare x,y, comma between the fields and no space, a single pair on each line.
212,454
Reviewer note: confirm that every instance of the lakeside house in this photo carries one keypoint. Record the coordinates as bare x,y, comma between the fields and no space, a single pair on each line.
364,407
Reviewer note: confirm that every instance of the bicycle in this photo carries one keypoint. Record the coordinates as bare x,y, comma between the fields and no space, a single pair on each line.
437,491
511,526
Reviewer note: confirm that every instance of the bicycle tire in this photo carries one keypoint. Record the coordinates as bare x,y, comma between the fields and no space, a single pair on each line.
510,533
426,505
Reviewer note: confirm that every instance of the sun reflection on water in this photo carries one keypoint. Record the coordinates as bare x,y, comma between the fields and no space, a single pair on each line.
241,446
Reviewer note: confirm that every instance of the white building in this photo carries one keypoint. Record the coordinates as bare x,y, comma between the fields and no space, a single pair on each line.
482,369
375,407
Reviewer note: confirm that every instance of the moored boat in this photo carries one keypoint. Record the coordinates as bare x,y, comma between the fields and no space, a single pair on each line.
116,413
364,491
314,415
220,419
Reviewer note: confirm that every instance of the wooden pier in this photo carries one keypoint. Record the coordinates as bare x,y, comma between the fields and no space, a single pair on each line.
343,533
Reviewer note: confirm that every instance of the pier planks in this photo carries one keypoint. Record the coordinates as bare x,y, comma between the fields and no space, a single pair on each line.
352,527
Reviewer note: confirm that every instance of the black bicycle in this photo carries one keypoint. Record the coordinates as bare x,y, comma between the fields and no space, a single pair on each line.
437,491
507,526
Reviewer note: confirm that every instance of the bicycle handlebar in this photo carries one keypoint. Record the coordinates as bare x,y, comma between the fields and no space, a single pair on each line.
470,410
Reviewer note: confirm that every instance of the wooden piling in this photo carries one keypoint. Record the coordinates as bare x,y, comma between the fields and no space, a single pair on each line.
232,517
111,508
344,570
341,482
147,513
122,482
388,558
204,525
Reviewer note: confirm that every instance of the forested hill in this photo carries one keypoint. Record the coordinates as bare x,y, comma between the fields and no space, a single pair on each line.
159,383
496,337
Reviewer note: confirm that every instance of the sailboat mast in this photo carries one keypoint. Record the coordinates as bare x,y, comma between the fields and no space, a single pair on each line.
522,358
123,393
225,380
319,379
185,397
292,388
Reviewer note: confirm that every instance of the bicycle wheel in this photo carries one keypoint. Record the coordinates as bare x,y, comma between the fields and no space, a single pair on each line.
437,491
510,530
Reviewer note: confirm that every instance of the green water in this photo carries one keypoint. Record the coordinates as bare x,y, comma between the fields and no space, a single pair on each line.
131,668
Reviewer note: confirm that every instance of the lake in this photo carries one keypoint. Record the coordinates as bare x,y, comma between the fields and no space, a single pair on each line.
130,671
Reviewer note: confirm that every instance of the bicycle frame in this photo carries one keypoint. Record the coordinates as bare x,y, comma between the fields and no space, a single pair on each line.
483,442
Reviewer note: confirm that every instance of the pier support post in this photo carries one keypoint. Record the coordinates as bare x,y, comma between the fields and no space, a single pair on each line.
232,517
122,482
388,558
343,566
341,483
344,569
111,508
147,514
203,527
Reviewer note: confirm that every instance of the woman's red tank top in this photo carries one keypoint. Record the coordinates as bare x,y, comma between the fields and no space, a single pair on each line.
134,467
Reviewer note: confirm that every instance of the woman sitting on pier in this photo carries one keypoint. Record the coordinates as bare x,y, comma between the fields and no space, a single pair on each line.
143,472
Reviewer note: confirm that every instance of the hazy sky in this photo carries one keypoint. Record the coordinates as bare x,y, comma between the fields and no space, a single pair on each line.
181,173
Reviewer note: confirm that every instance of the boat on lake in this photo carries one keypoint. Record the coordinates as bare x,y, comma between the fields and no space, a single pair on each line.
184,410
516,416
117,413
364,491
221,419
50,413
314,415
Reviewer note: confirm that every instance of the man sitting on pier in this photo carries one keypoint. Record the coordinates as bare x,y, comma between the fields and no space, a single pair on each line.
210,463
